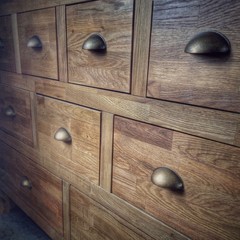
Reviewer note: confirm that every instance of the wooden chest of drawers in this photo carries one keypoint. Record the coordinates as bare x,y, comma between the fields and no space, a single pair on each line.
120,119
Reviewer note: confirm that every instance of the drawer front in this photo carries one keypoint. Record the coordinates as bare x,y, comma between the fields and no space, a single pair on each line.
90,220
206,80
38,188
37,42
109,68
15,113
208,206
80,154
7,56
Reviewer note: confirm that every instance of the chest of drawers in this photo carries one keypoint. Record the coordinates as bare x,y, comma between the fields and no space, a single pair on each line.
120,119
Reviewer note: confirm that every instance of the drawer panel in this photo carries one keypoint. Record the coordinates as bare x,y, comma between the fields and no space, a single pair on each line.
15,115
204,80
81,154
109,69
37,187
36,29
209,204
90,220
7,55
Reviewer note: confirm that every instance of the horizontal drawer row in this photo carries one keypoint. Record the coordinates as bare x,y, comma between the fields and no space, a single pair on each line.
194,52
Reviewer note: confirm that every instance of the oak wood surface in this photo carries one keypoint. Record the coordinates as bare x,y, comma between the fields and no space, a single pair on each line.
82,155
211,81
113,20
7,55
210,171
66,211
38,61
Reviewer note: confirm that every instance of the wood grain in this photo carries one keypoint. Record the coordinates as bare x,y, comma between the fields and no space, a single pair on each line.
39,62
210,172
113,20
200,80
66,211
7,56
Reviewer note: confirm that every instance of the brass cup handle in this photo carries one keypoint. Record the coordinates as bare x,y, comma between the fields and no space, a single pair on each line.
9,111
167,178
34,42
26,183
63,135
96,43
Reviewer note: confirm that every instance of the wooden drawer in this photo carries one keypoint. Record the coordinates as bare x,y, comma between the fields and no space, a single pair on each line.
205,80
36,187
15,113
209,204
37,42
80,155
90,220
108,69
7,56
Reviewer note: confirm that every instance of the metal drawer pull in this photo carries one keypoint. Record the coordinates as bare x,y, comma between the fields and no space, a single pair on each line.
96,43
208,43
167,178
9,111
1,44
63,135
26,183
34,42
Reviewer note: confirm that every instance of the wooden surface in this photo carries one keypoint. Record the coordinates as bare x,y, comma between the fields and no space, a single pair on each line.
82,155
66,211
39,62
210,171
113,20
200,80
7,56
19,126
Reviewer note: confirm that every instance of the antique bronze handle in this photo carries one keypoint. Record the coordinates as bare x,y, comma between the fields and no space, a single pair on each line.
63,135
167,178
34,42
9,111
208,43
95,42
26,183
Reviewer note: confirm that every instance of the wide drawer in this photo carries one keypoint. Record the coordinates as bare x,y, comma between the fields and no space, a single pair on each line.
7,55
208,203
37,188
210,79
90,220
37,43
15,113
70,135
99,43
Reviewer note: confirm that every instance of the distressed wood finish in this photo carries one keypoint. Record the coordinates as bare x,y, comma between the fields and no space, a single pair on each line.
209,205
82,155
19,126
113,20
7,55
39,62
45,196
199,80
90,220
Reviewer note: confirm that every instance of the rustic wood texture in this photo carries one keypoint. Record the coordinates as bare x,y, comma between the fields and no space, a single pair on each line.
7,55
66,211
39,62
216,125
209,205
106,151
45,196
62,43
82,155
141,45
200,80
19,126
90,220
113,20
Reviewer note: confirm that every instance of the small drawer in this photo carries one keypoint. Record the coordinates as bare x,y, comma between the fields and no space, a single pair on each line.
70,135
189,183
99,43
37,42
7,55
33,185
202,71
90,220
15,113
